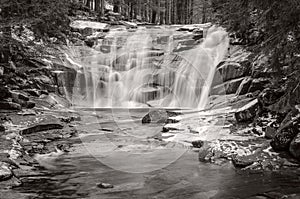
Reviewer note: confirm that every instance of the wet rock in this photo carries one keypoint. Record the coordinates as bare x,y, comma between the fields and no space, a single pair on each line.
231,70
285,135
243,161
270,132
205,153
5,171
156,116
41,127
105,185
244,86
229,87
258,85
198,143
10,106
270,96
295,147
247,112
90,42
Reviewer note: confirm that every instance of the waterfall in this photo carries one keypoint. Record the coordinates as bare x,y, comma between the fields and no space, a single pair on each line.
148,67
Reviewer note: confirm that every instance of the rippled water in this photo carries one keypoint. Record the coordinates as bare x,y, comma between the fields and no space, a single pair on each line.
119,150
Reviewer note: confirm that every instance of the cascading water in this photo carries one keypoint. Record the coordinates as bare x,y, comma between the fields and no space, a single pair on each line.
149,67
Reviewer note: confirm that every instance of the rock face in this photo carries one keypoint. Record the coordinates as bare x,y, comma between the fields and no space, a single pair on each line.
285,135
247,112
295,147
230,71
229,87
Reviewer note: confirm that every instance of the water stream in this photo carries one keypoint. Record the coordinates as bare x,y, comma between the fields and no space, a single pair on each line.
149,67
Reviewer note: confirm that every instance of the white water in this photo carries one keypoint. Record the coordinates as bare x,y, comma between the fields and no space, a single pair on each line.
145,67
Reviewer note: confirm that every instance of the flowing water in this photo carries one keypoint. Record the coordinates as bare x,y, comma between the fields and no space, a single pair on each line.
149,66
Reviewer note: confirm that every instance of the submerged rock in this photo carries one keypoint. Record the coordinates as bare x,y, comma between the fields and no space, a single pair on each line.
295,147
247,112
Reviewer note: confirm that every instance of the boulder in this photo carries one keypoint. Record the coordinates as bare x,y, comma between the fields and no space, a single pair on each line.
244,86
286,134
270,96
41,127
158,116
247,112
197,143
229,87
295,147
243,161
10,106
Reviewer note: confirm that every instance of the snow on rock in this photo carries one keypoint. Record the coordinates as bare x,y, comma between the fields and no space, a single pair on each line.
79,24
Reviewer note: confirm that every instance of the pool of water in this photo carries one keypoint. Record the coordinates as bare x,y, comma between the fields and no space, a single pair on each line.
115,148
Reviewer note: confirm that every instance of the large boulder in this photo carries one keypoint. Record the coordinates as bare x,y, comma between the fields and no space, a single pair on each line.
285,135
295,147
247,112
229,87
